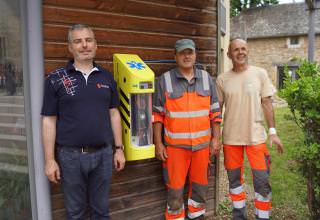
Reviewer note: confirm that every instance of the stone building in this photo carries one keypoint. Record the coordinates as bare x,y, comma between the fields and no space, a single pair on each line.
276,36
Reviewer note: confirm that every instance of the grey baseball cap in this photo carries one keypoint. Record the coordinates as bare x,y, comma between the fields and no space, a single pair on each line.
184,44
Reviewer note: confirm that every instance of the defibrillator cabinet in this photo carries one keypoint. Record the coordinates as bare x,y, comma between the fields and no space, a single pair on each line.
135,81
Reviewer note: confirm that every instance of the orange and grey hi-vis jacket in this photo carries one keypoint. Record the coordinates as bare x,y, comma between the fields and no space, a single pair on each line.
186,108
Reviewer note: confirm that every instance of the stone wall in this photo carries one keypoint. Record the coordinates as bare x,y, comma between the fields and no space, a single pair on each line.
272,52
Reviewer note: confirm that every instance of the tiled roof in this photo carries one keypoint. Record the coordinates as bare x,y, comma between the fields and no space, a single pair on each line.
274,21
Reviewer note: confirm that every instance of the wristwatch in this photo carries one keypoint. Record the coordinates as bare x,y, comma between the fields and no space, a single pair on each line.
119,147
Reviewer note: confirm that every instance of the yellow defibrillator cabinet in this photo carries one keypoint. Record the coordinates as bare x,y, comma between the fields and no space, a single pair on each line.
135,81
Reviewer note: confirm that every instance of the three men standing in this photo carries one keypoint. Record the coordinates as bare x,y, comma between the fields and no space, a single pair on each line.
245,91
186,105
81,121
80,124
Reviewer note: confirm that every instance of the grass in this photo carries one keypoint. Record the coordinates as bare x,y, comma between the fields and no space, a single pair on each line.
289,190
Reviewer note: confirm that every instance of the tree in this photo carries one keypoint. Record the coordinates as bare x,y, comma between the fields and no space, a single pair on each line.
239,5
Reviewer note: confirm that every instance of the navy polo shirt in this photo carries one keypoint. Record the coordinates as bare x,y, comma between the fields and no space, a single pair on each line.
82,108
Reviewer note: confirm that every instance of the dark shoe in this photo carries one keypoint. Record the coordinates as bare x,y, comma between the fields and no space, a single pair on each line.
201,217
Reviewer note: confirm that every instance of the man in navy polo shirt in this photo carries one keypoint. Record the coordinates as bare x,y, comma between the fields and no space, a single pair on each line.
80,123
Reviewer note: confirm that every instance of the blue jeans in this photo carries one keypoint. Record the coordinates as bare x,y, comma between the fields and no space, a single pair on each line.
85,179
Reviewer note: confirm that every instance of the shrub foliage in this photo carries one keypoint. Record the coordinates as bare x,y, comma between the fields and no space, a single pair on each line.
303,98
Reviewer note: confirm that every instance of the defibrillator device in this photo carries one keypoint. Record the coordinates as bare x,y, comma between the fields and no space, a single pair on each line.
135,81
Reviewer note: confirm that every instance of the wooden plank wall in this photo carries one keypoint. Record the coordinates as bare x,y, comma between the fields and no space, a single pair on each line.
148,28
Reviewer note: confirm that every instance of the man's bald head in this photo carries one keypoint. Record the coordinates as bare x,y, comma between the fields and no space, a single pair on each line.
238,53
235,41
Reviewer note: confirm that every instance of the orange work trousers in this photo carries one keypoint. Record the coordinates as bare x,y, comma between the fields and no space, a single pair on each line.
259,160
179,164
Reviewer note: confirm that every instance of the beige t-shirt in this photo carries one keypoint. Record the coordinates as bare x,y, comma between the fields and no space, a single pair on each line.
241,94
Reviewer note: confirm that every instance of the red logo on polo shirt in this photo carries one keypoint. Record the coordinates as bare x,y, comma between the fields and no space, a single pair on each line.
68,83
100,85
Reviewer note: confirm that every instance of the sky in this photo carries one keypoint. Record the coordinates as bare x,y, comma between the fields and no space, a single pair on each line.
289,1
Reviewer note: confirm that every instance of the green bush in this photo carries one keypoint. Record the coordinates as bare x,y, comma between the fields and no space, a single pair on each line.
303,98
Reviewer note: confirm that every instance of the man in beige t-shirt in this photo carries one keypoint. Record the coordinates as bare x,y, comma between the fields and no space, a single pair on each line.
246,91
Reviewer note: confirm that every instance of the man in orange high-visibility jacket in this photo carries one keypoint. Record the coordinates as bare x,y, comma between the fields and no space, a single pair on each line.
186,105
246,93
